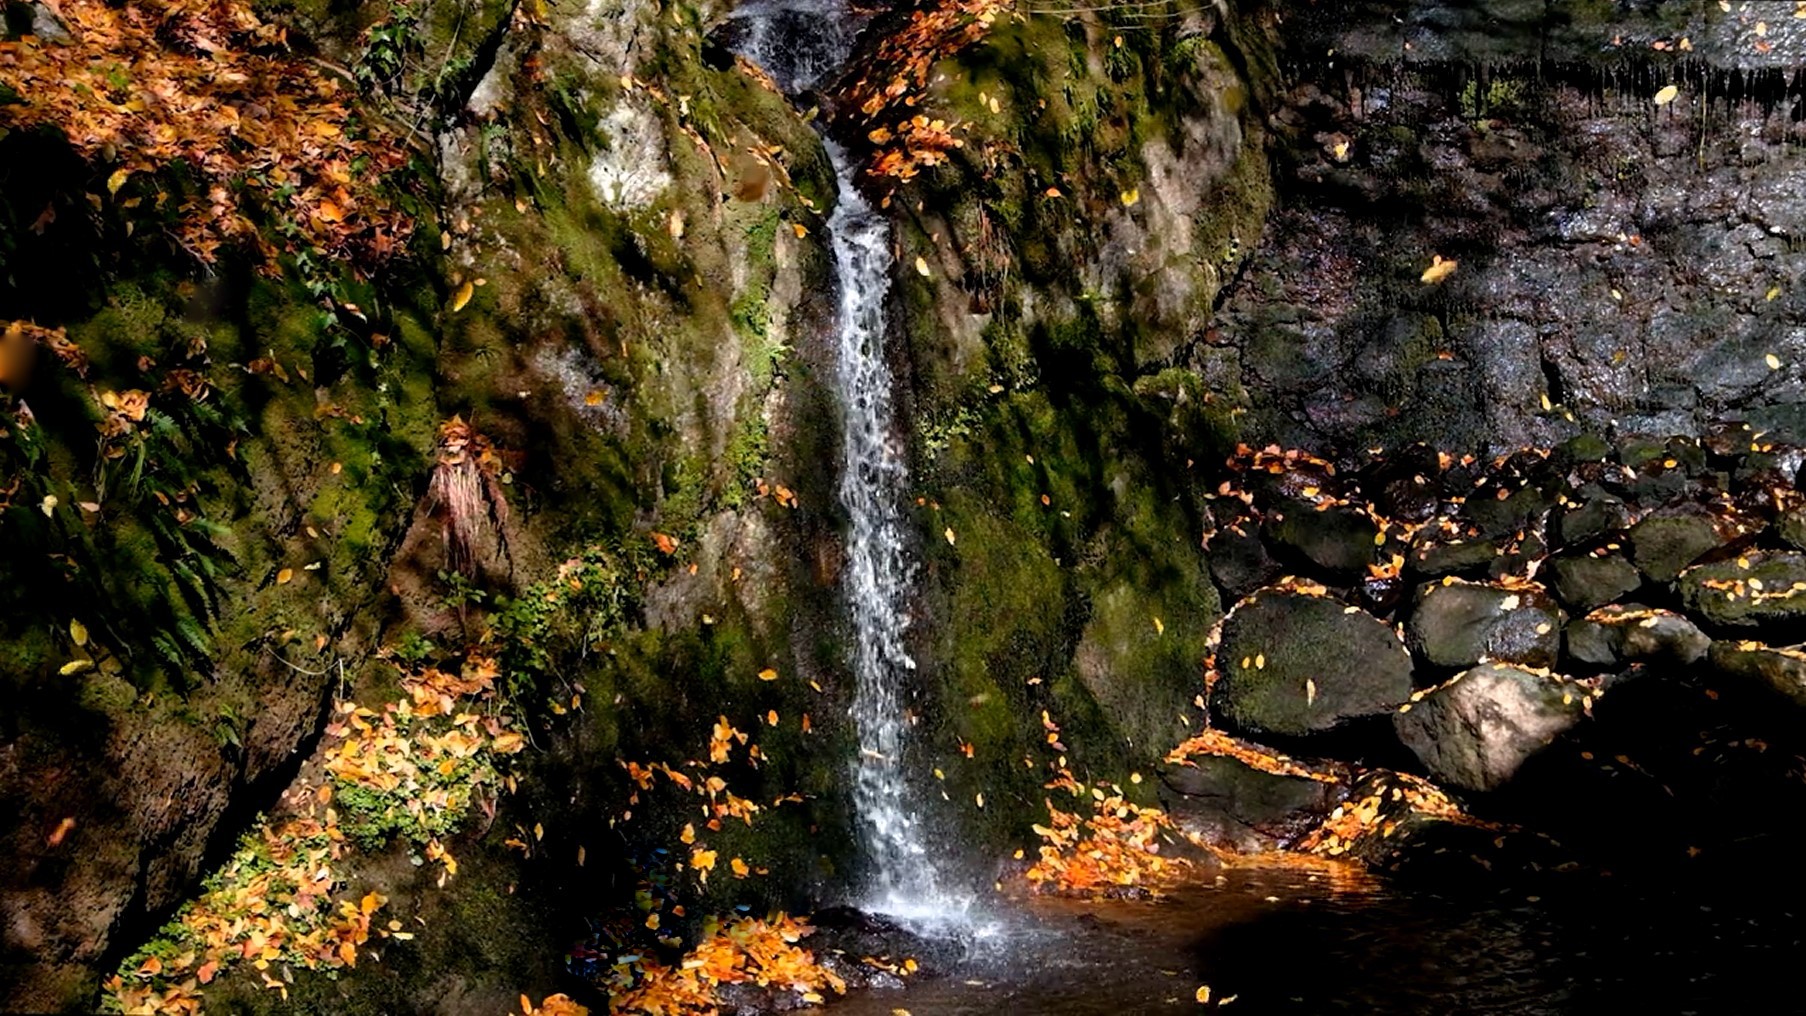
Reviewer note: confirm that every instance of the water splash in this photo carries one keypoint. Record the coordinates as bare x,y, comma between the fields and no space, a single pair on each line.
801,43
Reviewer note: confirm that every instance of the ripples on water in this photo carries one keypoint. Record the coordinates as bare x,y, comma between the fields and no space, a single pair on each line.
1289,941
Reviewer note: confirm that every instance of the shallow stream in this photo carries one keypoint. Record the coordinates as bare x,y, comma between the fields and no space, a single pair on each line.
1285,940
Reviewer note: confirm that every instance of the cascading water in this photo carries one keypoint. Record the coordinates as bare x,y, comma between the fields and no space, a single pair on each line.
799,43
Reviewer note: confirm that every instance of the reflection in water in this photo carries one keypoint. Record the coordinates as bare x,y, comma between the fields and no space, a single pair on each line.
1296,941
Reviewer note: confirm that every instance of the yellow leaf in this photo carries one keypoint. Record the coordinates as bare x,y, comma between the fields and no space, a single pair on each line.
768,674
1159,627
1439,269
1667,95
740,868
462,296
1130,196
75,667
78,633
949,535
539,831
801,230
283,576
1774,293
1203,994
922,267
702,860
688,836
1774,363
980,798
117,180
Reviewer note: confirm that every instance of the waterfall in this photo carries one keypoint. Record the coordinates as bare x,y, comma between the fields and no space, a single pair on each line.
799,43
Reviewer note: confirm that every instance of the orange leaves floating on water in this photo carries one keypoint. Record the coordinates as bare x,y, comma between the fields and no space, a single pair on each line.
1117,846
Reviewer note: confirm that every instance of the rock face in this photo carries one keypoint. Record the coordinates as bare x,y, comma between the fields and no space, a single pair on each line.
1475,731
1633,301
1292,663
1748,591
1457,624
1631,634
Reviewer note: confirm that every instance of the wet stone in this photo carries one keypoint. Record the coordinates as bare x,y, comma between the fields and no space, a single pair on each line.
1239,561
1339,538
1595,517
1453,557
1748,591
1633,634
1781,669
1670,539
1475,731
1229,802
1584,581
1458,624
1291,663
1790,526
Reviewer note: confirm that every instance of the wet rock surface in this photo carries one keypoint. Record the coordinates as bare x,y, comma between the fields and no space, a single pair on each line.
1748,591
1781,669
1633,634
1295,662
1456,624
1476,730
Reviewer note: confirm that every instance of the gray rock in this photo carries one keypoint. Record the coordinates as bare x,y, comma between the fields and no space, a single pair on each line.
1668,540
1781,669
1745,592
1475,731
1453,556
1600,515
1633,634
1292,663
1458,624
1584,581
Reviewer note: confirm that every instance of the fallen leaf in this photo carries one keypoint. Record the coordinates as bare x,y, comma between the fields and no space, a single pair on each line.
1439,269
922,267
462,296
1667,95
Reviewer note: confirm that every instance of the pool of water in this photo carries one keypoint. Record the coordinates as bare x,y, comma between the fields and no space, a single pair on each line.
1294,940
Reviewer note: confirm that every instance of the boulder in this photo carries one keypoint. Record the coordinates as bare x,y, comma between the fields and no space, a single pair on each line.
1757,588
1633,634
1458,624
1340,538
1597,516
1291,662
1781,669
1668,540
1239,561
1450,557
1790,526
1228,802
1476,730
1586,581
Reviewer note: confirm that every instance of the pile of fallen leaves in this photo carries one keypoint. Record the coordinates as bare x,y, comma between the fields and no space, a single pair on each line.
1116,847
1380,804
416,767
762,952
142,87
1214,743
271,905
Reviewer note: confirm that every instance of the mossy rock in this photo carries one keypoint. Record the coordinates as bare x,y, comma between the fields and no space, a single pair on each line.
1240,563
1586,581
1667,541
1293,664
1597,516
1338,539
1457,624
1632,634
1453,557
1759,588
1781,669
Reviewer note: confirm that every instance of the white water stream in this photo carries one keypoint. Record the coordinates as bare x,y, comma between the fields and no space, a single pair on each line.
800,43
